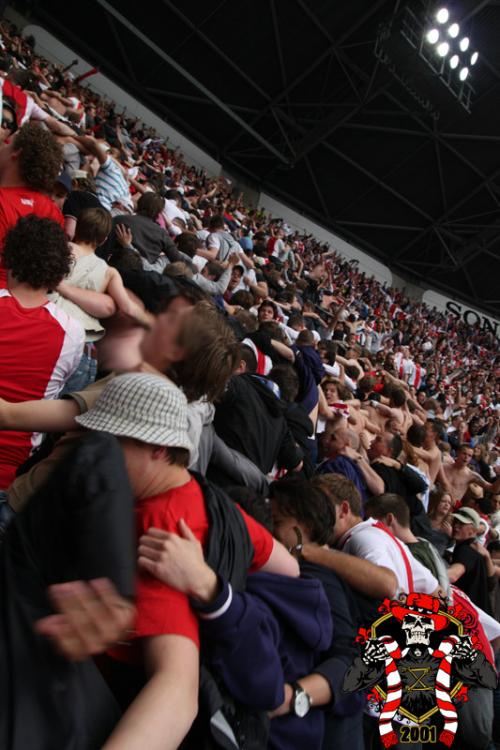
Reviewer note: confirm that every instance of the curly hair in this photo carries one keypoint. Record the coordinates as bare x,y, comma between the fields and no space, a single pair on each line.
41,157
37,253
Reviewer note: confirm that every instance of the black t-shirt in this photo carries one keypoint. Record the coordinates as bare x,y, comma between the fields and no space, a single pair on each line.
77,201
474,582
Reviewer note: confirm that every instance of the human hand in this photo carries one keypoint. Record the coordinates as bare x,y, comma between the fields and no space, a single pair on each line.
123,235
481,550
387,461
90,617
233,259
177,560
447,528
286,706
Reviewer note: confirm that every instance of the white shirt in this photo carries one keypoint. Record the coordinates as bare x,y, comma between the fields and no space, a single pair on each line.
171,211
242,284
199,262
377,546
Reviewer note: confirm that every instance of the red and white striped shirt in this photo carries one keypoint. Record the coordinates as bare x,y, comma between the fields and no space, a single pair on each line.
40,347
416,375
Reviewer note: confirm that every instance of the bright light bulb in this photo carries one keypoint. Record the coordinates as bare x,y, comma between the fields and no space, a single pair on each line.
473,58
464,44
454,60
442,15
443,49
432,36
463,74
453,30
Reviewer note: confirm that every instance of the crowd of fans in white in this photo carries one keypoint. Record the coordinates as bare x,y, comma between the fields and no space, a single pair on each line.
218,437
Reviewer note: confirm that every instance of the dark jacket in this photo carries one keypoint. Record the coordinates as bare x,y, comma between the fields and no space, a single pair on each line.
407,483
271,634
344,716
302,428
310,370
250,418
79,525
404,482
349,469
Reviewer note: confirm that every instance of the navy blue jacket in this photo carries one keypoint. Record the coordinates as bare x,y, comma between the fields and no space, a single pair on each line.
272,634
349,469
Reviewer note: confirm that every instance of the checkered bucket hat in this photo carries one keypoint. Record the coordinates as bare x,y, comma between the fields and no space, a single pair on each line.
149,408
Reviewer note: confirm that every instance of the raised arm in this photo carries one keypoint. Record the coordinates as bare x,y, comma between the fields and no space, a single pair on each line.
124,303
91,146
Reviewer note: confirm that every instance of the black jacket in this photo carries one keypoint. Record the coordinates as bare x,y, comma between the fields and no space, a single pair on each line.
251,419
79,525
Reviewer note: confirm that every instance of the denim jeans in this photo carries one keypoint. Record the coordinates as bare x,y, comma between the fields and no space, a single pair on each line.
83,376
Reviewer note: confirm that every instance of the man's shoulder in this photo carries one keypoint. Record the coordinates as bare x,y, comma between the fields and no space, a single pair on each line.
70,325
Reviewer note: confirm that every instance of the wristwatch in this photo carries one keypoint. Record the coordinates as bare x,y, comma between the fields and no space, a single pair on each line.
301,701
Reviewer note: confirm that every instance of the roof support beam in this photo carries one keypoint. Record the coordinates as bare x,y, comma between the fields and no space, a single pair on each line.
174,7
373,8
192,80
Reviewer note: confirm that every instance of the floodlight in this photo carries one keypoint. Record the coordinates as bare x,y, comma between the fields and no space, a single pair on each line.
443,49
473,58
433,36
454,60
442,15
453,30
464,44
463,74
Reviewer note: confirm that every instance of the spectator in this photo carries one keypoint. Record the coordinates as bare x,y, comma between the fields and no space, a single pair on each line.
342,459
40,345
303,515
140,408
92,289
459,476
440,506
250,417
141,233
82,196
369,540
29,165
393,512
471,566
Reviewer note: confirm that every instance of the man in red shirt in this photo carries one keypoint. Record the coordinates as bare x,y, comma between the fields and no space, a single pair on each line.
148,414
29,165
40,345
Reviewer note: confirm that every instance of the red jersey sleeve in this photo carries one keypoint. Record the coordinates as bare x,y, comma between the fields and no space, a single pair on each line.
262,541
161,610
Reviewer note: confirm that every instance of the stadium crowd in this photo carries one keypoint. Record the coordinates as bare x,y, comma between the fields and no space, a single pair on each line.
221,446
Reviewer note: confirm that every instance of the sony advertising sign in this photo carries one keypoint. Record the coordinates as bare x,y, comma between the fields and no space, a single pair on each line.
462,310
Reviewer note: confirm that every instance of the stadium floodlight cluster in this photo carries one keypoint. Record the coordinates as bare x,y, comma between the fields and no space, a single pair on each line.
445,38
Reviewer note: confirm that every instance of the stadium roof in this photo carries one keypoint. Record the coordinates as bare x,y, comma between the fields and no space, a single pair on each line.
290,96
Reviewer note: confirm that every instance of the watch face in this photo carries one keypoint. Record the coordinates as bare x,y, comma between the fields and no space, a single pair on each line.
302,704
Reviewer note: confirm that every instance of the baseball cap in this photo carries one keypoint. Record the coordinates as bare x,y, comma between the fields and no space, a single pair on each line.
64,178
468,516
149,408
